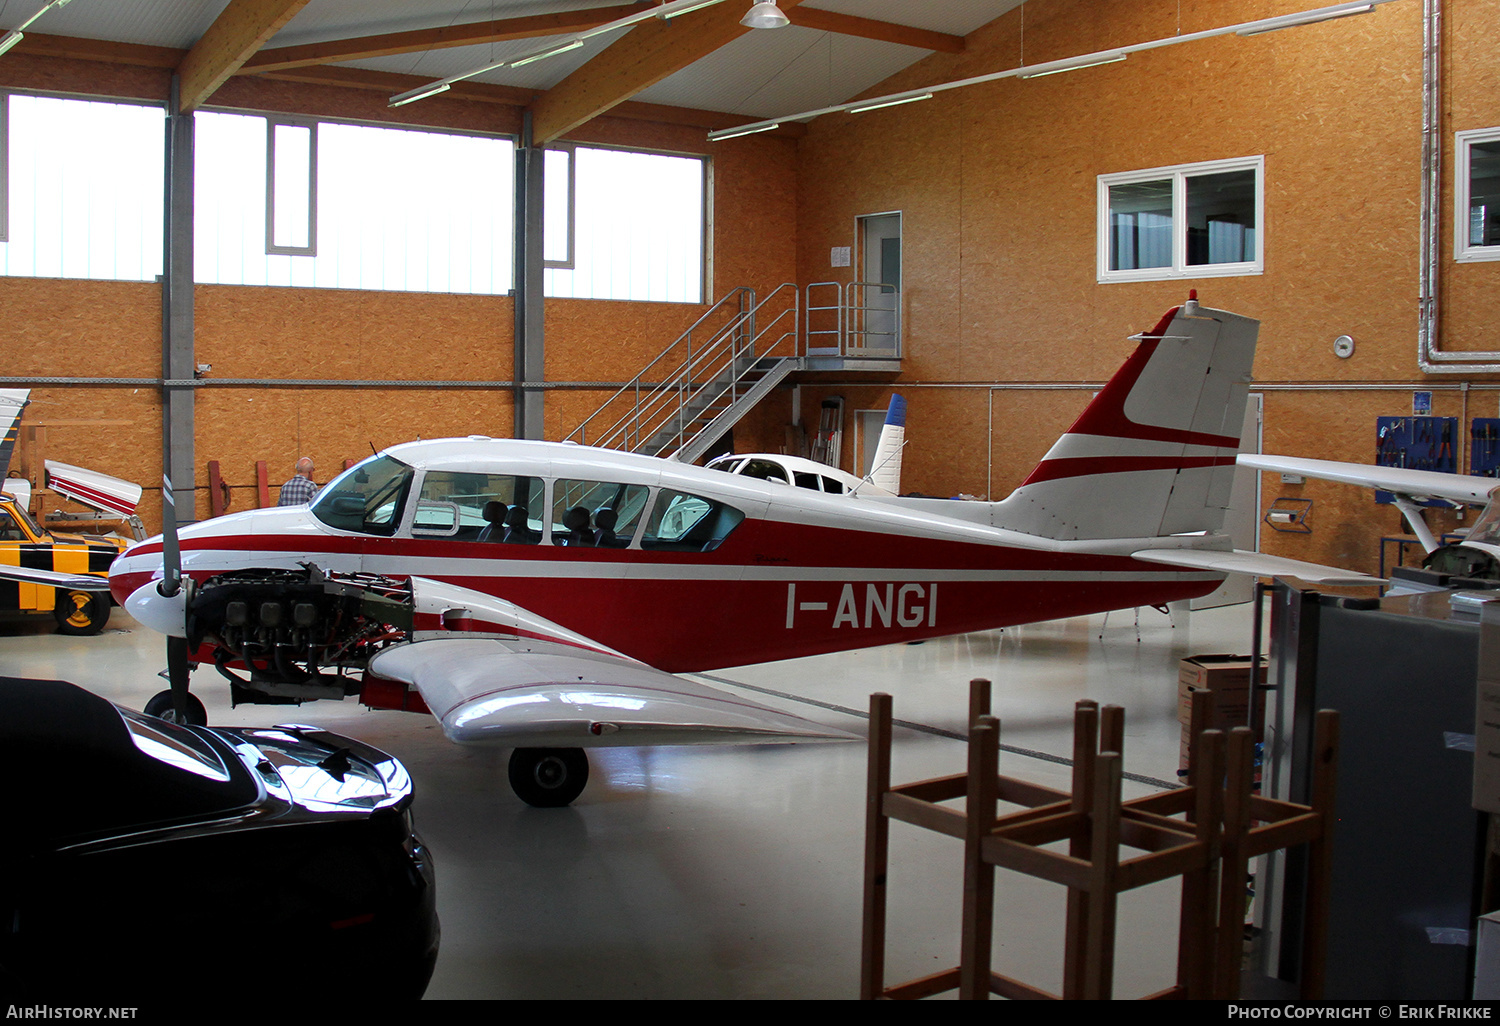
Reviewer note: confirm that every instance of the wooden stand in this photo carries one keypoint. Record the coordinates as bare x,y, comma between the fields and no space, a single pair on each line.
1205,833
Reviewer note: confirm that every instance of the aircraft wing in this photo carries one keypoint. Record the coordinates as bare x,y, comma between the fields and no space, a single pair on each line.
70,582
1258,564
1427,484
533,693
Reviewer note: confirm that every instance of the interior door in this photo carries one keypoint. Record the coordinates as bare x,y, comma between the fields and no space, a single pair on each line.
876,297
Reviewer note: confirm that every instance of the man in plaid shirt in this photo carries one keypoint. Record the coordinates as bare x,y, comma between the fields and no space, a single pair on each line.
299,491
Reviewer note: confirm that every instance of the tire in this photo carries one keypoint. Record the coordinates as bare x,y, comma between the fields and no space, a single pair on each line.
548,778
162,706
80,612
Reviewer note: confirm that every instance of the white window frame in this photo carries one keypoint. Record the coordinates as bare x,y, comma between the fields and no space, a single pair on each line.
1178,174
566,262
4,166
311,249
706,215
1462,250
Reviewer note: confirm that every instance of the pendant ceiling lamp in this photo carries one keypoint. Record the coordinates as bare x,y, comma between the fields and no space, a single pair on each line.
765,15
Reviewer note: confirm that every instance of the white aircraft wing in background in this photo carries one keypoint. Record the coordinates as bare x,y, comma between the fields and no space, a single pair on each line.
1409,487
1418,484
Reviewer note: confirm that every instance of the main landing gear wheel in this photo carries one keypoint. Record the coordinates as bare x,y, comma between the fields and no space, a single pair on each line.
161,705
80,612
548,778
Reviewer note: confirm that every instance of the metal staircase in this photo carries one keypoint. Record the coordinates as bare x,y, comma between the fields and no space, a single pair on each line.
705,381
742,347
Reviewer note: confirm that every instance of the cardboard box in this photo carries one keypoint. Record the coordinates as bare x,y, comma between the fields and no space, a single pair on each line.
1228,677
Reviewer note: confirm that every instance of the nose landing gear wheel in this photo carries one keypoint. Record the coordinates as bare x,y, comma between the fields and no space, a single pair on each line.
548,778
161,705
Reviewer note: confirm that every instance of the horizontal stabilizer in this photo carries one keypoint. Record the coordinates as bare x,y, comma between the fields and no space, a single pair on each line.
1425,484
1258,564
68,582
541,694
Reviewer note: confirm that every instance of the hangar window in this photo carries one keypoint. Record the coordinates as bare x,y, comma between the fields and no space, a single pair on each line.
1478,216
621,224
335,205
1186,221
80,188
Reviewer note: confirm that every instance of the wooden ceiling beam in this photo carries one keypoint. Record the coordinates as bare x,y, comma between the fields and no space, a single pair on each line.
644,56
283,58
237,33
483,92
885,31
38,44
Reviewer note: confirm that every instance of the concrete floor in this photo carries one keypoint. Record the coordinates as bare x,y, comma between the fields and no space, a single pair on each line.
735,872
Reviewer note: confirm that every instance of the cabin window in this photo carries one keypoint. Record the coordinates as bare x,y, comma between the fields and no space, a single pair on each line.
602,514
366,498
470,506
688,523
1186,221
1477,219
765,470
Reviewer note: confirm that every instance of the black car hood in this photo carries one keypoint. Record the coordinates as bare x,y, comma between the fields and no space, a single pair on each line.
75,770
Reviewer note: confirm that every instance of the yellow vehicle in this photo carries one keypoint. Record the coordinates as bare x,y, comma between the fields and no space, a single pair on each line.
24,544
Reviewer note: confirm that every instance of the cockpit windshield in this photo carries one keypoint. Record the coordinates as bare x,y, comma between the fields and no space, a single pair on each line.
366,498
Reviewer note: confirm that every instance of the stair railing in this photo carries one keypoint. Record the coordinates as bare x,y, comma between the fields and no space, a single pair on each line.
696,373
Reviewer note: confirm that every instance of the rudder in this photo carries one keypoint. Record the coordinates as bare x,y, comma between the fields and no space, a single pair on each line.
1153,454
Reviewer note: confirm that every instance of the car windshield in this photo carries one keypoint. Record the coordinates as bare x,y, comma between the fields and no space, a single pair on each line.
23,517
366,498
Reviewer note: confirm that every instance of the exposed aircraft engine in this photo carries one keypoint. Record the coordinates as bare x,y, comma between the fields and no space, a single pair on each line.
299,633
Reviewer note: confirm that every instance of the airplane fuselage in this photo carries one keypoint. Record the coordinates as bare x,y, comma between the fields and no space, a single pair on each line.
799,573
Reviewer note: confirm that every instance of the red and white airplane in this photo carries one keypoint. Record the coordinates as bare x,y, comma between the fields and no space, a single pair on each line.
545,596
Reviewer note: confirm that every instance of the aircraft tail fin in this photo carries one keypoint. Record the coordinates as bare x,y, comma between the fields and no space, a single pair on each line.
1153,454
885,468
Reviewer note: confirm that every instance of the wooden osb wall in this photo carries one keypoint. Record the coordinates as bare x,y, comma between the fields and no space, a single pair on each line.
997,187
53,328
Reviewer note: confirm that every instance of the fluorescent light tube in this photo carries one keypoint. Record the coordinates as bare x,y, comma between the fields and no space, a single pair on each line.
735,133
1307,18
1058,67
686,10
876,105
419,93
10,39
571,44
